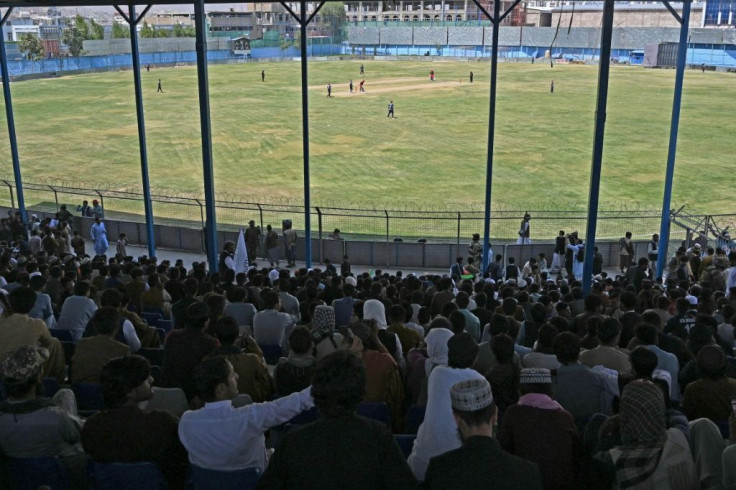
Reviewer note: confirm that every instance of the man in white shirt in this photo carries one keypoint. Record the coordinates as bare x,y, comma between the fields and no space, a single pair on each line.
223,438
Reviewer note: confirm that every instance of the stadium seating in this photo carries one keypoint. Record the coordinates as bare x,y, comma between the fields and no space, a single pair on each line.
127,476
414,418
376,411
89,396
50,387
62,335
172,400
204,479
32,473
405,442
151,318
154,356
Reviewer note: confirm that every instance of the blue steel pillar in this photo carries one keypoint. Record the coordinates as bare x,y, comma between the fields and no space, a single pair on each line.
664,227
491,134
305,136
600,126
11,123
147,204
204,118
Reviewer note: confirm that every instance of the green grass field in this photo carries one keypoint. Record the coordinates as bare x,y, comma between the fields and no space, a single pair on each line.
432,156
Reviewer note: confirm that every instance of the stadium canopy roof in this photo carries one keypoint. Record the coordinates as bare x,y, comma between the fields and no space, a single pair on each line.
94,3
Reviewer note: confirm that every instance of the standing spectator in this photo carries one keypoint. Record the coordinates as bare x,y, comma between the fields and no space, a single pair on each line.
337,387
272,246
626,251
475,249
252,237
480,462
524,231
99,236
390,109
121,245
78,244
289,236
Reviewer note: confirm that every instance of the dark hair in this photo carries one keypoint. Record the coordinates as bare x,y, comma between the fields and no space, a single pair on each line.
226,330
338,384
81,288
197,315
643,361
22,300
647,334
462,300
120,375
396,314
112,298
209,374
270,299
502,347
300,340
499,324
106,320
566,347
462,351
608,329
457,321
546,338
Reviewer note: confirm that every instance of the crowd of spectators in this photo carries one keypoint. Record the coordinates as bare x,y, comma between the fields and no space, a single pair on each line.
533,382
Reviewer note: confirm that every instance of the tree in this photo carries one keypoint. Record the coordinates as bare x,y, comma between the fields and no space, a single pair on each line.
285,45
80,23
120,31
31,47
333,17
73,40
96,31
147,31
184,31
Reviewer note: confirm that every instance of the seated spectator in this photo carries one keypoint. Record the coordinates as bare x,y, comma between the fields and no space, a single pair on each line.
543,355
294,373
18,329
324,337
32,426
710,396
42,308
383,377
368,459
186,348
647,336
253,377
92,353
408,337
123,433
608,354
77,311
156,296
271,326
651,456
578,388
538,429
504,376
134,331
179,309
241,311
479,463
437,434
224,438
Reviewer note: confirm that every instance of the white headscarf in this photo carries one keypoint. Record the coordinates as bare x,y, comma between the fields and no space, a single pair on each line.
375,310
437,349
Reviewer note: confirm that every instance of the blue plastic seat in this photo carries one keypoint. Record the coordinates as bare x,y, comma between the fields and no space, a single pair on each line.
151,318
161,334
405,442
50,387
127,476
62,335
89,396
69,348
31,473
271,353
376,411
204,479
166,325
414,418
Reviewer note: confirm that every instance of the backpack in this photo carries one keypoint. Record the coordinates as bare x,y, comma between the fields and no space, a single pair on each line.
581,254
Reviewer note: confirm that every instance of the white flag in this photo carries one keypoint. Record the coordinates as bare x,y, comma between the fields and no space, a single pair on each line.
241,254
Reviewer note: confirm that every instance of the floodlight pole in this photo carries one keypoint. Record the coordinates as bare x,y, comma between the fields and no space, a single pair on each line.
496,21
11,122
304,23
147,203
604,65
664,227
206,129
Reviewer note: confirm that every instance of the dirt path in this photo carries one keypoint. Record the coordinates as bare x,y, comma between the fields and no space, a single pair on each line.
395,88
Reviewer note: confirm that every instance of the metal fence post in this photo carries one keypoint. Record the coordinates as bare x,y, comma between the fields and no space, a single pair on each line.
264,252
388,249
12,199
319,228
56,196
202,227
458,232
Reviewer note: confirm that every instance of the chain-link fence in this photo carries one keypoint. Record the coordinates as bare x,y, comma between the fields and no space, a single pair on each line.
455,227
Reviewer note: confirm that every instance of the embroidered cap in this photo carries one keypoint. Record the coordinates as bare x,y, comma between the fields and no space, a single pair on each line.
20,365
535,376
471,395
